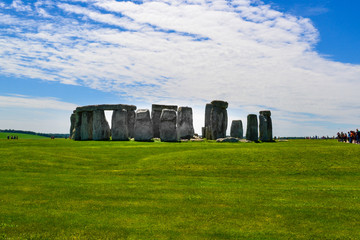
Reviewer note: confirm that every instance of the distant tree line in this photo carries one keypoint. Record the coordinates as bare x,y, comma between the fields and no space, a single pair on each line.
49,135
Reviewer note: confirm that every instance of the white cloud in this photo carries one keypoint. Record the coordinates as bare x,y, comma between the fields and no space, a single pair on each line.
182,51
18,5
22,101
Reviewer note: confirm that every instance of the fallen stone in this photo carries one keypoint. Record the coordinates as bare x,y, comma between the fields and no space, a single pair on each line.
196,140
227,139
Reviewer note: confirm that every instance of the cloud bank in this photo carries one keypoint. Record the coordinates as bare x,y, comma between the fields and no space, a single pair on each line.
29,102
180,51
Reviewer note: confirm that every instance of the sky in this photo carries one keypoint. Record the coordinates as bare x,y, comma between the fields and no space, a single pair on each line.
298,58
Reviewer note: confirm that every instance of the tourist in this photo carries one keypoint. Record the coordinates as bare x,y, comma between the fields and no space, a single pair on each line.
351,136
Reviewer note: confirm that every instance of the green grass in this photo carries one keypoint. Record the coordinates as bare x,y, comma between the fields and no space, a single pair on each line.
62,189
4,135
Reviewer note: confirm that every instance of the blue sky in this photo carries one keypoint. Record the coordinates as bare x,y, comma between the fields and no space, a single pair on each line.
299,59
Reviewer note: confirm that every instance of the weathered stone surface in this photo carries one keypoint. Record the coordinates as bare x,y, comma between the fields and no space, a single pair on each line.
220,104
206,131
131,122
101,129
104,107
86,126
119,125
227,139
196,140
185,128
155,116
266,113
77,129
143,130
72,123
218,120
208,109
203,132
265,126
236,129
167,126
215,120
252,128
102,133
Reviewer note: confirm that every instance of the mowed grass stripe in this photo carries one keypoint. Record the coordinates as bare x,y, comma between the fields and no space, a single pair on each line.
61,189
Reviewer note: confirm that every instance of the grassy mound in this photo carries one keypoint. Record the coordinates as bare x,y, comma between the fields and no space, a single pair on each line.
62,189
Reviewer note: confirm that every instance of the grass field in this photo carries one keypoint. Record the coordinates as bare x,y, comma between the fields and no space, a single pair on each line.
4,135
62,189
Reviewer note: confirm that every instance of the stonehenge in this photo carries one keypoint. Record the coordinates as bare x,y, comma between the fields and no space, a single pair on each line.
185,128
101,128
252,128
216,120
77,126
156,111
265,126
89,122
236,129
167,126
170,123
72,124
86,129
143,130
119,123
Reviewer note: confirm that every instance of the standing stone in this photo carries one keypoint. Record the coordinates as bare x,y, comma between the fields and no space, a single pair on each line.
131,122
86,125
129,108
208,109
72,123
77,129
252,128
168,126
206,131
203,132
236,129
265,126
130,118
143,130
218,119
185,128
155,116
119,126
101,129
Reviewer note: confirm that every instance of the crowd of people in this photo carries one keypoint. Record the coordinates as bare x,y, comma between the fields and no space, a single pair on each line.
12,137
350,137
